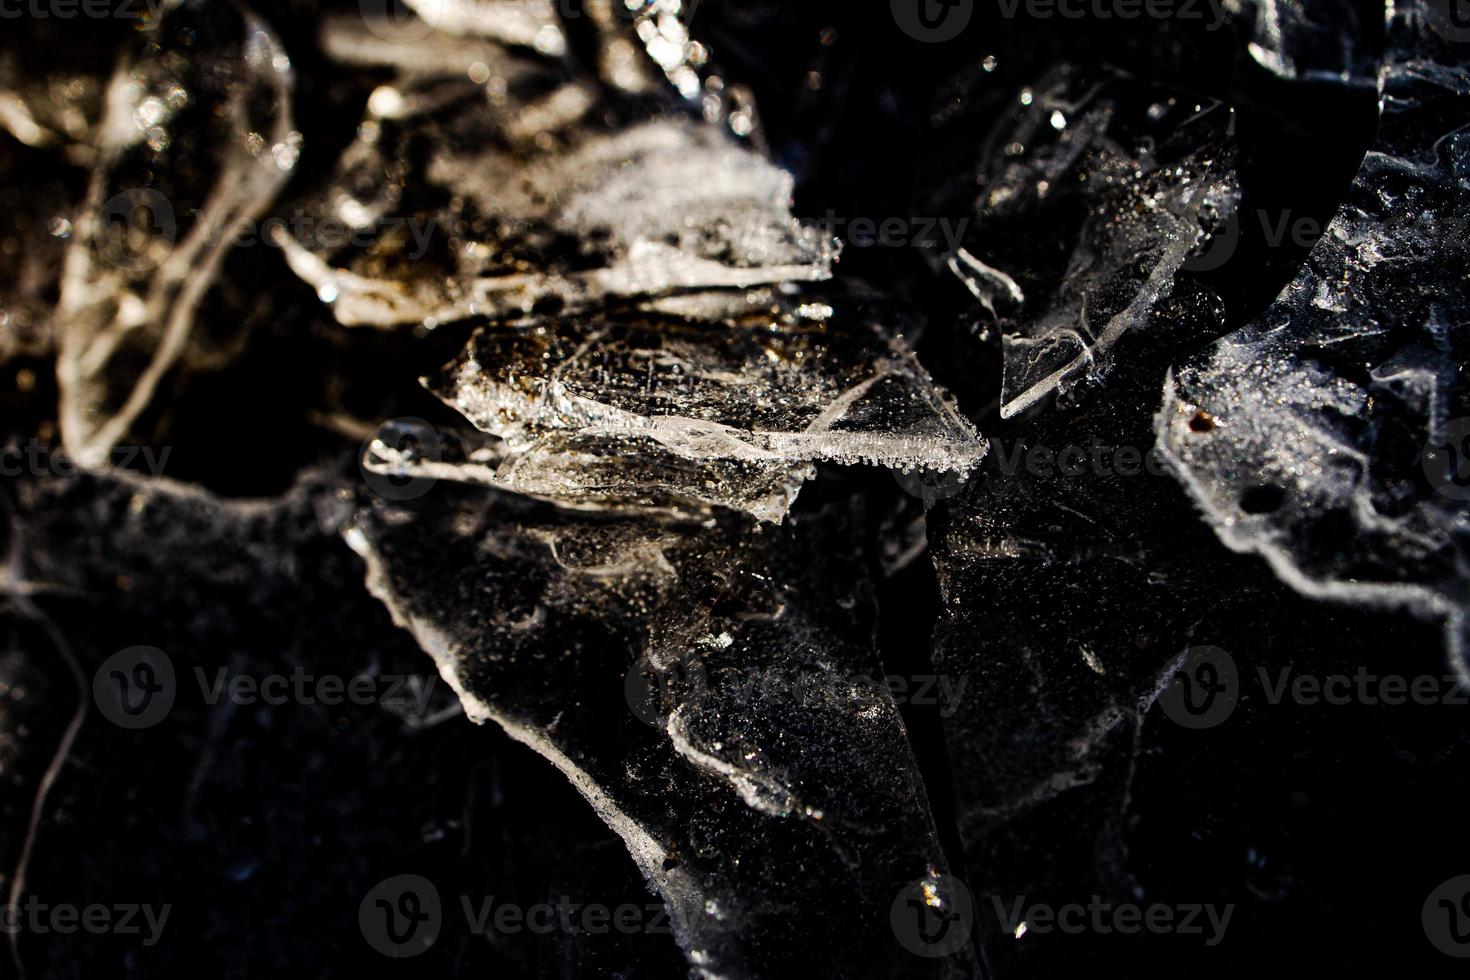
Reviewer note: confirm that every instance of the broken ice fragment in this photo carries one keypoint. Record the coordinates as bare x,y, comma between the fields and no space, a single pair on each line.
597,471
1311,436
504,195
431,54
650,410
1144,176
159,217
1307,40
529,23
775,387
776,807
654,208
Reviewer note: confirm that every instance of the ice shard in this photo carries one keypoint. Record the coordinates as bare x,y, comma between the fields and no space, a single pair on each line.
644,408
708,689
1308,40
514,173
1327,436
591,470
783,385
1130,185
161,215
527,23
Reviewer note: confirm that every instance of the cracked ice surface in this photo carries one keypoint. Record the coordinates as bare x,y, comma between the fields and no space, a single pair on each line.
1302,435
1148,178
643,361
762,750
726,412
652,207
591,471
792,389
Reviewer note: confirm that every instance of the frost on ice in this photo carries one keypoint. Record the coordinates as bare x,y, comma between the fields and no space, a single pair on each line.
1328,435
652,408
